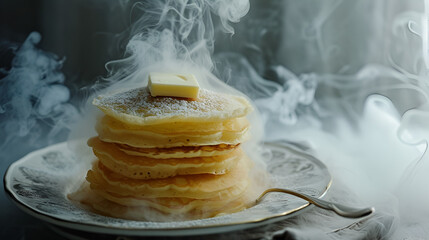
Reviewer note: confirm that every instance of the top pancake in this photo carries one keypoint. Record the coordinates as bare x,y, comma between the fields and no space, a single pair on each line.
138,107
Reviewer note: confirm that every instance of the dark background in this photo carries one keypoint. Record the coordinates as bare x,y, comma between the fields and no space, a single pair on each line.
85,32
90,33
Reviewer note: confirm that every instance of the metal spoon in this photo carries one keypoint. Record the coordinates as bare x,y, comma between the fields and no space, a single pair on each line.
339,209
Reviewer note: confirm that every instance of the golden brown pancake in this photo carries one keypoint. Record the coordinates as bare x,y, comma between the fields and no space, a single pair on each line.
138,167
138,107
179,152
180,128
166,209
202,186
231,133
172,205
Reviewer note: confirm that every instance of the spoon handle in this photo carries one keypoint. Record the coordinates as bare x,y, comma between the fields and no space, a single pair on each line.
339,209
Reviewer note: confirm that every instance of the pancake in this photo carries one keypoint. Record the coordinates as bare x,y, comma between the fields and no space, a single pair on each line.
202,186
179,152
174,133
179,128
138,167
138,107
145,139
172,211
172,205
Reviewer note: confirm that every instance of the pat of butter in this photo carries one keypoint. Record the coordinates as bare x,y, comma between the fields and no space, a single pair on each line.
173,85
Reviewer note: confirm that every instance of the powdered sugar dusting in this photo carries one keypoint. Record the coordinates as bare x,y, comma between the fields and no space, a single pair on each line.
139,103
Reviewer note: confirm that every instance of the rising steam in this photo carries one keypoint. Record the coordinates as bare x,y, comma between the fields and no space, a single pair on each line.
368,73
33,99
173,36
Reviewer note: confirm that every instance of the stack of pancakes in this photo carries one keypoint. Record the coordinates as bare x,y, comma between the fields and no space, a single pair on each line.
166,158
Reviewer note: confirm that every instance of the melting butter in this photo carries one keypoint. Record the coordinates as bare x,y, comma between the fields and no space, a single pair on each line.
173,85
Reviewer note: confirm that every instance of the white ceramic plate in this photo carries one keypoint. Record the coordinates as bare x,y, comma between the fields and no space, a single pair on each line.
39,183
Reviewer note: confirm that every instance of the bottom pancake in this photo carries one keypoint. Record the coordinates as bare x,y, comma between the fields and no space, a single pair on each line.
171,205
162,210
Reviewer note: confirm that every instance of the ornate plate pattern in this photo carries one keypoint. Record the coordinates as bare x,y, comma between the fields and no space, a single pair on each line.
39,183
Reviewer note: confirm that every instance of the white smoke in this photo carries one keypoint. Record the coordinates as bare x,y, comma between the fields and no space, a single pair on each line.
369,63
33,99
173,36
